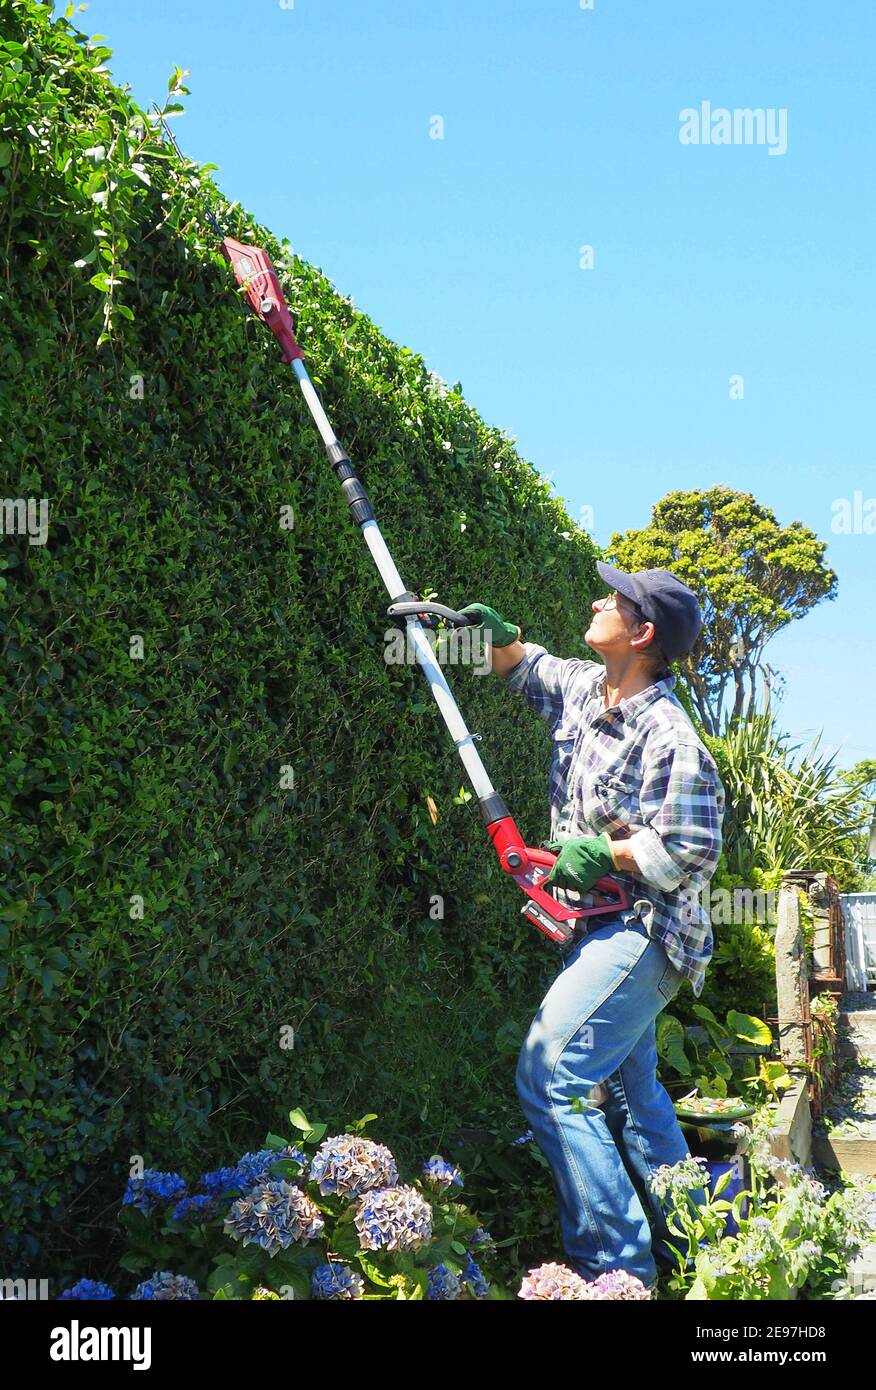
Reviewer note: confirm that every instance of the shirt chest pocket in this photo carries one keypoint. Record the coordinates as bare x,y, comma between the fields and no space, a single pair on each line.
612,799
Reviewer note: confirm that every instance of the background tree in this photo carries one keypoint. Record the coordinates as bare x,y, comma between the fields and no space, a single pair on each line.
862,776
751,575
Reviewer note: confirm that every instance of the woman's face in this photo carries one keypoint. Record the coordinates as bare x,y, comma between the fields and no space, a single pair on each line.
613,624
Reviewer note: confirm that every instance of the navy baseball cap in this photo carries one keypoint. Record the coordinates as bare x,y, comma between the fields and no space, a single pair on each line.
667,603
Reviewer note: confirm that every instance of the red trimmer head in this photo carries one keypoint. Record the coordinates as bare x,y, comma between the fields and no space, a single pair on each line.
258,280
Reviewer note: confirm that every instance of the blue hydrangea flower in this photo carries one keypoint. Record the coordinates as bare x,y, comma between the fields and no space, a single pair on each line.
346,1165
193,1209
395,1218
479,1237
274,1215
443,1283
337,1282
222,1182
167,1286
254,1168
250,1170
481,1240
88,1288
145,1193
473,1275
525,1138
441,1174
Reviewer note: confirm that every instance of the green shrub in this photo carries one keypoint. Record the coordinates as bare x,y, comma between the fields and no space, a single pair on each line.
166,454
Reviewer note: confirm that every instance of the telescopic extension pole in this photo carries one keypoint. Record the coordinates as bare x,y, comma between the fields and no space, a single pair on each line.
527,866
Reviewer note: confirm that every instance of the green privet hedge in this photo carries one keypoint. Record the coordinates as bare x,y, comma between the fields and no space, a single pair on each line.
190,943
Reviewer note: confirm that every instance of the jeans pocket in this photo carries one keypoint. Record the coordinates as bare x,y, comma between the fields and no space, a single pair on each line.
670,981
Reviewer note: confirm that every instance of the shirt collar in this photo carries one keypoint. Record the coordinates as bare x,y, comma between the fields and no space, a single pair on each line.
631,707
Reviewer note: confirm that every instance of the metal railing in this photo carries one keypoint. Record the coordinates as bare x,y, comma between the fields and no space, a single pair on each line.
807,1023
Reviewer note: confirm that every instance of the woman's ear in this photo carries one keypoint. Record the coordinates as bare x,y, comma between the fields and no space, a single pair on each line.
644,638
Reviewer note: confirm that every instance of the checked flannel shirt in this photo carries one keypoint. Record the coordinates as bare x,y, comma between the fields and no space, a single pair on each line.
638,772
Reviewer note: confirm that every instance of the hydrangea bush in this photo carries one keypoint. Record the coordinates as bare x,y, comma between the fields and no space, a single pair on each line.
327,1217
555,1281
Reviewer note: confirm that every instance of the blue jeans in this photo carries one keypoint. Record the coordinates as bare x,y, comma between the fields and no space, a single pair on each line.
596,1025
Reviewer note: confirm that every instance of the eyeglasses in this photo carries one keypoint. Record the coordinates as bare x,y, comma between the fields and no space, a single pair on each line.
611,601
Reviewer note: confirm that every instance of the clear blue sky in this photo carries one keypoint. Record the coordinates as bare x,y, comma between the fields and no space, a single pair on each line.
561,129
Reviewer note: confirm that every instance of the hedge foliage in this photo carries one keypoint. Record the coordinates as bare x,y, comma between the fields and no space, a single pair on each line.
158,421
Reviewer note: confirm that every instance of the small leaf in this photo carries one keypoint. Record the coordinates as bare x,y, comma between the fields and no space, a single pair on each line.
722,1182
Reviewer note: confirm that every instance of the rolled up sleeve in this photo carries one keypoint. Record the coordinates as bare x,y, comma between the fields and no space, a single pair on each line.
544,681
682,805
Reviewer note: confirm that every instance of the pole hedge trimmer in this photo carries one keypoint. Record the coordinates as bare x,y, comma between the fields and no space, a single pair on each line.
527,866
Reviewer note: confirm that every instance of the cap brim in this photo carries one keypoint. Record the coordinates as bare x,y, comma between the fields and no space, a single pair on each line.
616,579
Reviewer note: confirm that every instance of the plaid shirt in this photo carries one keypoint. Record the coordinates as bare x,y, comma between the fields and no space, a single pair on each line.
637,771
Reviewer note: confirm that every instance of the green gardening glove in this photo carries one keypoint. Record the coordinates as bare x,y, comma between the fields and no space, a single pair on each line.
501,633
579,863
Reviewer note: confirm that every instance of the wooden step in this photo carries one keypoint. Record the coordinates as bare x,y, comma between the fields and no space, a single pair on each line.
827,982
855,1154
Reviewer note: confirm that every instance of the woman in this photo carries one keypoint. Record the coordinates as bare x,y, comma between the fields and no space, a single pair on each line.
634,794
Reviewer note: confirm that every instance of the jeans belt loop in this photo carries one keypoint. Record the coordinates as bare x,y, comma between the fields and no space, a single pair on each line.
581,928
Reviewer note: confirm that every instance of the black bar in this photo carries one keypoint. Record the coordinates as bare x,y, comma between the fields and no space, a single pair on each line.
357,498
492,808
